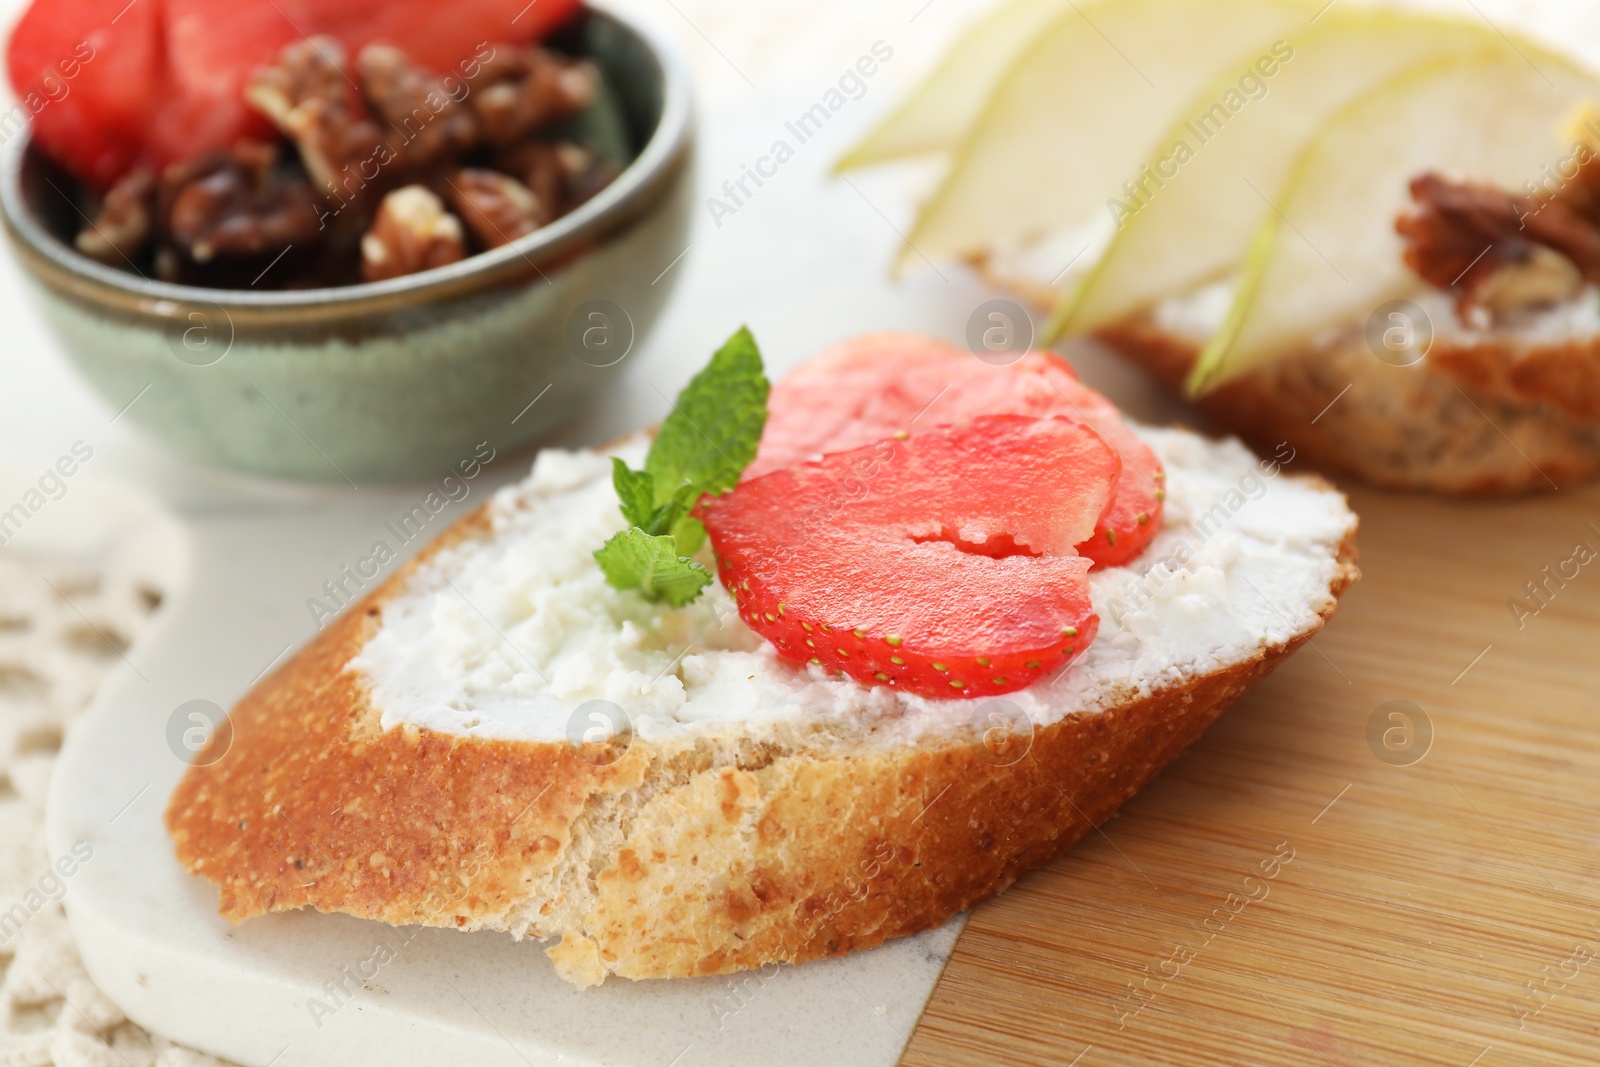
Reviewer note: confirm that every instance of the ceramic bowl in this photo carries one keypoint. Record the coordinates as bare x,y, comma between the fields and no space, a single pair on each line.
390,379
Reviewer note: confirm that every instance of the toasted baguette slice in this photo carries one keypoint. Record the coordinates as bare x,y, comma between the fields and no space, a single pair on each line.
806,817
1470,418
1488,411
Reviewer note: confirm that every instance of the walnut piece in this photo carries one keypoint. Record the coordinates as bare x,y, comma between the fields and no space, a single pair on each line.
412,232
562,173
368,164
236,204
426,121
586,173
1463,236
496,207
522,89
539,165
125,224
309,96
1547,277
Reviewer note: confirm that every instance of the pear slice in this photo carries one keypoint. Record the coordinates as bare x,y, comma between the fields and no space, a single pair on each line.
1219,170
1070,122
936,115
1330,255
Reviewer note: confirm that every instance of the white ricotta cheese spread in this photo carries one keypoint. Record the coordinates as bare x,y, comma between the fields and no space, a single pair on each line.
1577,319
505,637
1196,316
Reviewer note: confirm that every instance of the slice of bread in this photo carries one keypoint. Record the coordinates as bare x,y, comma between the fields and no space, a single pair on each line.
1458,422
1488,411
404,767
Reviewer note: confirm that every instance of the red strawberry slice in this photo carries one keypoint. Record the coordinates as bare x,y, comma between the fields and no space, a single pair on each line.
211,49
85,70
941,563
165,81
869,388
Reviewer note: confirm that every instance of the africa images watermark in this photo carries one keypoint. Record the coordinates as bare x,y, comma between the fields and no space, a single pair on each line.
1554,977
1540,592
52,87
1139,590
50,887
1547,189
1254,887
454,88
346,587
51,485
1202,128
851,489
851,86
739,990
353,978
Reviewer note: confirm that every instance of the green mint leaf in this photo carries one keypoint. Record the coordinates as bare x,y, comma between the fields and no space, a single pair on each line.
689,533
703,447
636,491
672,514
712,433
634,559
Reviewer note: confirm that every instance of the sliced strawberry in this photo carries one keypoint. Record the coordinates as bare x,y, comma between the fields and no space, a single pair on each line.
872,387
86,70
941,563
211,50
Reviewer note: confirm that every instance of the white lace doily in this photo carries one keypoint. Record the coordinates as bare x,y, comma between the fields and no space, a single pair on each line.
73,596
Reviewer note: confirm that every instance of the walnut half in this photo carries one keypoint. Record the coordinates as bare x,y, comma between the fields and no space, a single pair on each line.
309,96
1494,249
237,203
125,224
427,122
528,89
1546,277
496,207
562,174
411,232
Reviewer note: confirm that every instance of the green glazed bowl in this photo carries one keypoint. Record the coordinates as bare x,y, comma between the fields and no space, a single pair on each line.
392,379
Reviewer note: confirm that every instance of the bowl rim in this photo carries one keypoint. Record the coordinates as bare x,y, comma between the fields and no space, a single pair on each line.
632,193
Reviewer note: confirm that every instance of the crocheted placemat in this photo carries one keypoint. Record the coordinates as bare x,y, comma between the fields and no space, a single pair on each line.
64,623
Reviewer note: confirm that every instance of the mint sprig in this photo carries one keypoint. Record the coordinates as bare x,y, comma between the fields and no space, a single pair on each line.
634,559
703,446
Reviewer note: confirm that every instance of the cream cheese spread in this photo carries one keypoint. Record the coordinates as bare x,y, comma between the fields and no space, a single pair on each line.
505,636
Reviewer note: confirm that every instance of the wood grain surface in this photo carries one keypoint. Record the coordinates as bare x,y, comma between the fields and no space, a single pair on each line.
1442,903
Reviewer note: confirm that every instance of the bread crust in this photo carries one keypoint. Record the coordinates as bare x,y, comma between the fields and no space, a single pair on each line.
725,860
1564,376
1474,419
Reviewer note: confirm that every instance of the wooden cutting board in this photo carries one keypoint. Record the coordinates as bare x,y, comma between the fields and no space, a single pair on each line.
1442,902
